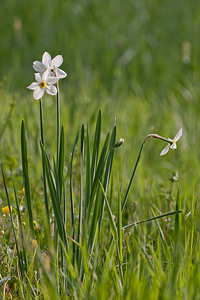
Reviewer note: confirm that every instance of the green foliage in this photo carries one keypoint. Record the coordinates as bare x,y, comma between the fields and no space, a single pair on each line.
98,221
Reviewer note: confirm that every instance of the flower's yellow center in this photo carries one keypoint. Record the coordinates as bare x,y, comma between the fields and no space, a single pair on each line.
42,84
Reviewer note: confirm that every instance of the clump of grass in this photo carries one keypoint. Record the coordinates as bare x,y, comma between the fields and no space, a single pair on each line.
83,242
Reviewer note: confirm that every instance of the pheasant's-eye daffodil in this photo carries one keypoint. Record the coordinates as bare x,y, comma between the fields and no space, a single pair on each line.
172,143
43,83
50,64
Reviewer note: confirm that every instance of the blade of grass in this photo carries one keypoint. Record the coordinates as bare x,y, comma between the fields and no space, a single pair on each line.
12,222
119,226
110,215
54,198
81,189
98,174
119,231
96,146
153,218
88,174
20,225
177,219
43,169
132,177
81,194
26,176
71,193
108,171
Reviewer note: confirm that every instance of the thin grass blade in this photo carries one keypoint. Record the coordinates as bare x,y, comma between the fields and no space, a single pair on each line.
71,193
153,218
96,146
12,222
26,176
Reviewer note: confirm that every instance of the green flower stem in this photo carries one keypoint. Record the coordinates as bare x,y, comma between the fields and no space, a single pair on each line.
44,174
153,135
58,126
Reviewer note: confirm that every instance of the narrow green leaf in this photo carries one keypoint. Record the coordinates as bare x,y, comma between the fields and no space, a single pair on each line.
43,169
12,222
26,176
94,223
132,177
177,219
98,174
119,226
81,188
88,174
96,146
108,170
81,194
153,218
54,198
20,226
110,214
71,193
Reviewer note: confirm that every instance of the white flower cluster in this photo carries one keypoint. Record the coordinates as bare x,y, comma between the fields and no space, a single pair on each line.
48,73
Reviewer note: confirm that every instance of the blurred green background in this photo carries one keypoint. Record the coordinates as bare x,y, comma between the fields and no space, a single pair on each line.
138,61
105,44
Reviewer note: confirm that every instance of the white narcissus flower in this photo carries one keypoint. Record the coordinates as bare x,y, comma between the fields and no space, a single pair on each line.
43,83
50,64
172,143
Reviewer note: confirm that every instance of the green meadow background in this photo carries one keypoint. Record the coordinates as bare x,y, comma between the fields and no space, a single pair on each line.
136,60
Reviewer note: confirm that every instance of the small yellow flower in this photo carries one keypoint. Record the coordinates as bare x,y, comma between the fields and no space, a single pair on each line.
34,244
35,225
23,191
6,210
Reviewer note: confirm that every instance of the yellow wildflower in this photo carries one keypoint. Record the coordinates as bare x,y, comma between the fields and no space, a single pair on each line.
23,191
35,225
6,210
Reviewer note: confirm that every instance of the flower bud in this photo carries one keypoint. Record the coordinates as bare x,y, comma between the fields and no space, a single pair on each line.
119,143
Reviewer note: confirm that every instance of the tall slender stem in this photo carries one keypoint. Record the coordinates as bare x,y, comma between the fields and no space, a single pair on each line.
155,136
44,174
58,127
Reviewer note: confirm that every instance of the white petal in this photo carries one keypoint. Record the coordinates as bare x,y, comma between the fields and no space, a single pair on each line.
165,150
46,74
173,146
38,66
51,90
38,77
46,59
61,73
56,61
38,93
178,135
52,80
32,86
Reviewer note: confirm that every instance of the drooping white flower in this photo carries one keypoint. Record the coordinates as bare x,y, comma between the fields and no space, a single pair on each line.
172,143
43,83
50,64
